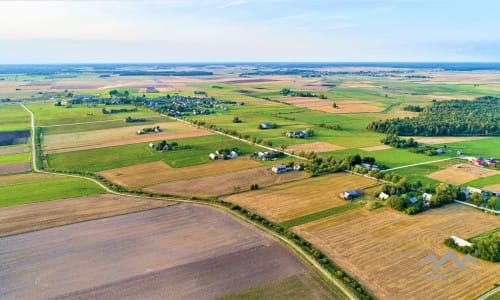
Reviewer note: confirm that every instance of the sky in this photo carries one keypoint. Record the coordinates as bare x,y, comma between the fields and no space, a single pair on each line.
78,31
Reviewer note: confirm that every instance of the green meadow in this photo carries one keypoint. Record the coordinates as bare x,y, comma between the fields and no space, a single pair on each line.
13,117
120,156
15,158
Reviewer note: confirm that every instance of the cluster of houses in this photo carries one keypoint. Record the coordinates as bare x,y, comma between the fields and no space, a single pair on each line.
425,196
480,161
282,168
301,134
267,155
224,154
468,191
368,166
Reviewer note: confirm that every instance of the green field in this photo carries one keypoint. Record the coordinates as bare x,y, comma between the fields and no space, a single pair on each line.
13,117
481,182
489,147
120,156
15,158
419,172
302,286
47,189
320,215
46,113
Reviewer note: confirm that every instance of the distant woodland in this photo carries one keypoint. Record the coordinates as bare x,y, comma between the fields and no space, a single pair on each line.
448,118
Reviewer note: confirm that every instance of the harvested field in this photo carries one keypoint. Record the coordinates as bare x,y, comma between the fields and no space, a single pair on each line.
446,139
224,184
346,107
25,178
14,150
249,80
291,200
159,172
384,249
15,168
492,187
68,142
23,218
462,173
376,148
150,251
315,146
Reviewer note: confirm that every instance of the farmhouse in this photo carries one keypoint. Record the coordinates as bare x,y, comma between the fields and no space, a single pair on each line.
352,194
297,134
383,196
427,197
282,168
460,242
224,154
266,155
373,167
468,191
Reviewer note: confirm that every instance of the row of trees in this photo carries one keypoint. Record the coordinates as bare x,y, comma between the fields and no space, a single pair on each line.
414,108
415,147
448,118
487,247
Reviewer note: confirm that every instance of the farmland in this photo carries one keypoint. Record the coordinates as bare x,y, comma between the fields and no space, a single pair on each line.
462,173
383,246
150,252
291,200
14,117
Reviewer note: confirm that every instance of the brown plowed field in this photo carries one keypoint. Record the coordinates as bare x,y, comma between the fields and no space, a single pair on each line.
224,184
315,146
291,200
67,142
183,251
346,107
159,172
462,173
14,150
376,148
15,168
28,217
383,249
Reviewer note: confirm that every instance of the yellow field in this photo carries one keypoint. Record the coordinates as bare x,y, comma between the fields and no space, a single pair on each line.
383,249
291,200
159,172
376,148
316,147
462,173
345,107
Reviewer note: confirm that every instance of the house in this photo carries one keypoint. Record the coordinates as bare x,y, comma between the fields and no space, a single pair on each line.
413,200
427,197
460,242
350,195
139,132
213,156
468,191
439,151
266,125
297,134
297,167
233,154
151,145
383,196
278,169
373,167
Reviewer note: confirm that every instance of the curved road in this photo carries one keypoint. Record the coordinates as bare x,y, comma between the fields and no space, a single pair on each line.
280,238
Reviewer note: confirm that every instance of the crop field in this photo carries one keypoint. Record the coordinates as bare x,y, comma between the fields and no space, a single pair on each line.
376,148
36,216
13,149
13,117
25,188
487,147
462,173
295,199
150,252
384,246
420,172
48,114
345,107
159,172
315,146
101,159
446,139
15,158
67,142
223,184
12,168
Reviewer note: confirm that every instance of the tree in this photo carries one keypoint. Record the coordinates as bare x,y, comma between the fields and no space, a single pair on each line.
396,202
492,202
236,120
477,198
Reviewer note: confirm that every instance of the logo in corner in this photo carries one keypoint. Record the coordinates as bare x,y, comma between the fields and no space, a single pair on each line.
449,267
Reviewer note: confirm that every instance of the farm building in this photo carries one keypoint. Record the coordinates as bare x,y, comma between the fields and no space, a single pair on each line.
282,168
427,197
373,167
352,194
383,196
460,242
468,191
266,125
297,134
213,156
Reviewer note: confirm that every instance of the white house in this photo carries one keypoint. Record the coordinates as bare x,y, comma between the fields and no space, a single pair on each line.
279,169
468,191
233,154
427,197
383,196
151,145
212,156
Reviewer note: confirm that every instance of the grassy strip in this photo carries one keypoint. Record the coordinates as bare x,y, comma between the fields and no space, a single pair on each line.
319,215
15,158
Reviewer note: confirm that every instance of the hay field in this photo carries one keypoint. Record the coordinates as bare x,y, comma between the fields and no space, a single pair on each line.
462,173
315,146
217,185
295,199
446,139
376,148
383,249
159,172
23,218
68,142
492,187
12,168
149,252
344,107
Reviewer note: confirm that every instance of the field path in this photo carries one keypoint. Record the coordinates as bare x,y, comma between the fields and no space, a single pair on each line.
418,164
339,287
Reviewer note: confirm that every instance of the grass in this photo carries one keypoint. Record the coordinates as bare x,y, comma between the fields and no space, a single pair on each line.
481,182
15,158
121,156
478,237
302,286
46,113
44,190
420,172
484,147
13,117
319,215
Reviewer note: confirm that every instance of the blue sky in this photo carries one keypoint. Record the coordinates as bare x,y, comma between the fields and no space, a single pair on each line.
253,30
